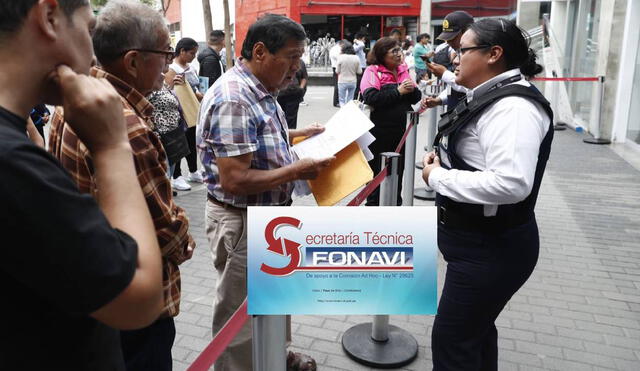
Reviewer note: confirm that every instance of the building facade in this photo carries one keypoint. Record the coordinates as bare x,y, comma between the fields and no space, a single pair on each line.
335,19
598,38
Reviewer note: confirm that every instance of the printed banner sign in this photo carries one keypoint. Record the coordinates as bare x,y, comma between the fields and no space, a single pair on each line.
342,260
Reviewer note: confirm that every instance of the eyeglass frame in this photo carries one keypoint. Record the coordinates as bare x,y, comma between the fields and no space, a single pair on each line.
398,50
461,51
169,54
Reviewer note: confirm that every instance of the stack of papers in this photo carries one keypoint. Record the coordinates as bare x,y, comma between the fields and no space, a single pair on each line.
347,137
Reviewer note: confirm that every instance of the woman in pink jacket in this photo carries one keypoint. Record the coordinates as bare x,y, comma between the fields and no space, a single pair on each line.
387,87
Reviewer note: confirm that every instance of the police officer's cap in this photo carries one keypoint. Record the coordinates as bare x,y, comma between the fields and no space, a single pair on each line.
454,23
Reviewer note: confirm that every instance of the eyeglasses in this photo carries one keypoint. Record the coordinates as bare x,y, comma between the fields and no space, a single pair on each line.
169,54
461,51
395,51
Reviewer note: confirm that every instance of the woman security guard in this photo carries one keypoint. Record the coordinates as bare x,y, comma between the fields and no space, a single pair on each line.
494,147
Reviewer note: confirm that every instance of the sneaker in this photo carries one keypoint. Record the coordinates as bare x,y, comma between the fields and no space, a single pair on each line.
195,177
180,184
303,103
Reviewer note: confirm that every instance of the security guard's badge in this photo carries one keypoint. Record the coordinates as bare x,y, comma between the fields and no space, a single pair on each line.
444,142
445,26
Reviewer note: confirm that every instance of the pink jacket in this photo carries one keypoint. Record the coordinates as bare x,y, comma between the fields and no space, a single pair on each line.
376,76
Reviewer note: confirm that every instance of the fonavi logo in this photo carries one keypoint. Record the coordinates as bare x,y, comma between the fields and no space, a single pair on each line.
331,258
282,246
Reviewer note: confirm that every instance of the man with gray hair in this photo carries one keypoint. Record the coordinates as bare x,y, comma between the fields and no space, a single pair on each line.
131,42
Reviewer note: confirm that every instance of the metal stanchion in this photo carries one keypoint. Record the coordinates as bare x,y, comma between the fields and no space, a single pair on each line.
596,133
557,125
379,344
413,118
427,193
269,343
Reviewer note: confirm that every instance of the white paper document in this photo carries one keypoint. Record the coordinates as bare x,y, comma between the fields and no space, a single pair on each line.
363,142
345,126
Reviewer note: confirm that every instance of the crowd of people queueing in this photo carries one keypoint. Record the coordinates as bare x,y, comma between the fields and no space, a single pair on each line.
94,238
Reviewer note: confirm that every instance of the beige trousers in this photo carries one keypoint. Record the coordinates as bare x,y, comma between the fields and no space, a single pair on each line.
227,234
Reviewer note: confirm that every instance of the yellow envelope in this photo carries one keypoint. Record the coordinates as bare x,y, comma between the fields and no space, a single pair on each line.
348,172
188,102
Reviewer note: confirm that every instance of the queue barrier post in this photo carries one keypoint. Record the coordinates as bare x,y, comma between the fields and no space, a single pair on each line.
427,193
413,118
598,120
269,343
555,106
379,344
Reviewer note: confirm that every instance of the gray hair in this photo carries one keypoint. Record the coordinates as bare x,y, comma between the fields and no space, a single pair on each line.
124,25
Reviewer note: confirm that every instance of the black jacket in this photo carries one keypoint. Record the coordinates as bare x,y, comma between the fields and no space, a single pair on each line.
389,108
210,65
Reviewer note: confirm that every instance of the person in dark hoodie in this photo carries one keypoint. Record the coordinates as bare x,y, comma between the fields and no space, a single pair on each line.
387,87
211,65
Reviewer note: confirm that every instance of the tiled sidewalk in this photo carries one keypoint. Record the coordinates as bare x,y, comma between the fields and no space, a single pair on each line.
580,310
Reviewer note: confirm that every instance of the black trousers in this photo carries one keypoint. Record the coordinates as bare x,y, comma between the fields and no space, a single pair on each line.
336,102
387,139
484,270
192,158
290,108
358,80
149,348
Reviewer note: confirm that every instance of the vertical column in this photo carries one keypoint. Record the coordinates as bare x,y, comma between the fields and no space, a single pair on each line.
596,127
379,344
269,343
413,118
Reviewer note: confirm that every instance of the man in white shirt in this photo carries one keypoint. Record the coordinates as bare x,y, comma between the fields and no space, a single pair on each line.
334,52
358,46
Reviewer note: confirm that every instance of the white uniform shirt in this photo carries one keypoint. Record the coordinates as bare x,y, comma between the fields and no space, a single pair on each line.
449,78
334,53
358,46
503,143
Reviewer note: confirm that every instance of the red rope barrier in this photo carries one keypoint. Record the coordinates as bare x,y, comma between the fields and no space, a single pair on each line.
377,180
222,339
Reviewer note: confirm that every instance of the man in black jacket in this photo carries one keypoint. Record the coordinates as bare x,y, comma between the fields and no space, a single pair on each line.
292,94
211,64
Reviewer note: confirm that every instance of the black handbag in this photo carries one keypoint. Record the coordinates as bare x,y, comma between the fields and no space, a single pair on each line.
175,144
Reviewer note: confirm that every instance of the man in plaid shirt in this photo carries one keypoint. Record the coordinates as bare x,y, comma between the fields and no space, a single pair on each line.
244,145
133,63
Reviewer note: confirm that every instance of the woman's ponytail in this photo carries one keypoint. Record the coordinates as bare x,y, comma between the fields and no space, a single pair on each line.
529,67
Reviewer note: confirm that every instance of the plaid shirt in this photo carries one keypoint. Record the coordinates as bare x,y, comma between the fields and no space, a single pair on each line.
170,221
239,116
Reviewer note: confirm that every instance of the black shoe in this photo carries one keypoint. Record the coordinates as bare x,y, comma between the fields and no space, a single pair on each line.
174,193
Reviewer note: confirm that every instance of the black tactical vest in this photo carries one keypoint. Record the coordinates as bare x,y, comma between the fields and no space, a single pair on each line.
450,126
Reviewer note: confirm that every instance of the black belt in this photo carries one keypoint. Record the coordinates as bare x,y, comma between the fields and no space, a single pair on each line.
452,218
232,207
224,205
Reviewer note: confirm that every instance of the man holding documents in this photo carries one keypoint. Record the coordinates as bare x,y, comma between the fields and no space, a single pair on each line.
244,146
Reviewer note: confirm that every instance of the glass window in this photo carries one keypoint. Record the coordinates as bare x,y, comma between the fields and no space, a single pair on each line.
633,128
585,61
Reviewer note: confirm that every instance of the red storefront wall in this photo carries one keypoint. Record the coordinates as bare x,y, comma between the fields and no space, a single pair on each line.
247,11
477,8
174,13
